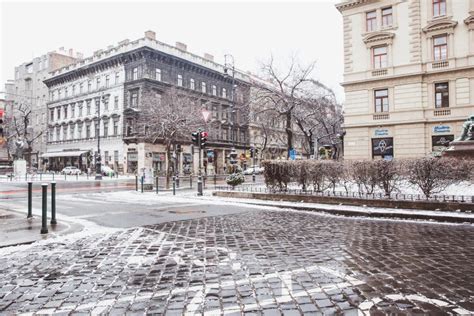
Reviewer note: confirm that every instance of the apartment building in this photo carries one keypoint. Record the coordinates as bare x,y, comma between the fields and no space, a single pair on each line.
408,75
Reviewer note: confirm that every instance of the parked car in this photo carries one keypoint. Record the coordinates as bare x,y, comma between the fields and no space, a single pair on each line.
71,170
249,171
107,171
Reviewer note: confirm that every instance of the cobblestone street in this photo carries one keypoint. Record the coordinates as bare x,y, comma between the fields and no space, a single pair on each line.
266,262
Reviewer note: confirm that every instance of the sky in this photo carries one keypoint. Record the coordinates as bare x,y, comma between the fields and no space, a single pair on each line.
251,31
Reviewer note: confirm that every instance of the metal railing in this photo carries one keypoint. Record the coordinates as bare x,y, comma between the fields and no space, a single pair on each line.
353,195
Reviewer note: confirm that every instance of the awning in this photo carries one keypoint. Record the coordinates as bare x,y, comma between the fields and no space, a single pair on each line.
76,153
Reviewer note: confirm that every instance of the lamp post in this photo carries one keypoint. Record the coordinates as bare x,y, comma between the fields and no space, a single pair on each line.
230,64
98,172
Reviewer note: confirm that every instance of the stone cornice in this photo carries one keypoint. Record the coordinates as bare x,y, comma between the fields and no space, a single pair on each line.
378,36
349,4
440,25
469,21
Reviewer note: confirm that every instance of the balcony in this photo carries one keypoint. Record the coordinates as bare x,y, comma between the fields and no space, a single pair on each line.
379,72
440,64
442,112
378,117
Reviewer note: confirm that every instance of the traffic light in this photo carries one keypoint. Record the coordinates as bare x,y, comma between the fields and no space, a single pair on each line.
195,139
203,139
252,152
1,123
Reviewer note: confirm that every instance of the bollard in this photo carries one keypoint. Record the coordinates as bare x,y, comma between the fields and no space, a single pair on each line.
215,180
77,176
190,181
87,176
156,184
53,176
142,179
174,185
30,200
136,182
53,203
199,186
65,176
26,177
44,219
253,178
177,181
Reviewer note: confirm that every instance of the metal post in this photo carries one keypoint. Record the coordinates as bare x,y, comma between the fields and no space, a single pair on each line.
174,185
215,180
199,186
156,184
53,176
53,203
199,183
190,181
142,179
30,200
136,182
65,176
44,219
177,181
77,177
253,171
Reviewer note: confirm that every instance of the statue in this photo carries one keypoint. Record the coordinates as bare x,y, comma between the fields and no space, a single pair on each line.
467,130
19,148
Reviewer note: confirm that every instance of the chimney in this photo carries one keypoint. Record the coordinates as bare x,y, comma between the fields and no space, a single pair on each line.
124,42
208,57
150,35
181,46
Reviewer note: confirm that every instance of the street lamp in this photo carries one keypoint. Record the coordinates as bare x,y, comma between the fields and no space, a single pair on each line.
98,164
230,64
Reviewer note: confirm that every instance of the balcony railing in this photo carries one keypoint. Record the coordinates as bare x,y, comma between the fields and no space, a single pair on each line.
442,112
379,72
440,64
384,116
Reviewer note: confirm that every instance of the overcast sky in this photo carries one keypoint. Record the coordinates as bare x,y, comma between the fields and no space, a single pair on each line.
249,30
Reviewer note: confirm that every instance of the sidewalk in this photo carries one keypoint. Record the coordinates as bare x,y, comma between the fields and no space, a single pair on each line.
16,229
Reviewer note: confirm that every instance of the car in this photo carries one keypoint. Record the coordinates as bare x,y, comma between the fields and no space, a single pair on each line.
107,171
249,171
71,170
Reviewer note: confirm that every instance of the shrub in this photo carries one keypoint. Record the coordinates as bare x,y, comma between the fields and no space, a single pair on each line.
364,173
234,179
317,176
388,175
277,174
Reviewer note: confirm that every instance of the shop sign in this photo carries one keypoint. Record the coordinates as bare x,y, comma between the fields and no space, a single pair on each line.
441,129
440,143
132,156
381,132
159,156
382,146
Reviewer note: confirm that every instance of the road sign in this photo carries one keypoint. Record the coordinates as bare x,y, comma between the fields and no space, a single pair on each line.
292,154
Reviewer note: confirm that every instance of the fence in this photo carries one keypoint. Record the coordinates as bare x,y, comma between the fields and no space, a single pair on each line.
354,195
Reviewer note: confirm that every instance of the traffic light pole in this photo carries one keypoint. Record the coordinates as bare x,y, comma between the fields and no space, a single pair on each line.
199,182
253,171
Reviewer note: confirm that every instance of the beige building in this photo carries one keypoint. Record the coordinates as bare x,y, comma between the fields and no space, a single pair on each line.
408,75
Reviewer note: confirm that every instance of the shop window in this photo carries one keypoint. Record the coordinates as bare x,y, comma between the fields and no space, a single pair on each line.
382,148
441,142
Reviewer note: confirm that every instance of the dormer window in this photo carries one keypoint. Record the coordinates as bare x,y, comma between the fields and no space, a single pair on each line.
439,8
180,80
371,21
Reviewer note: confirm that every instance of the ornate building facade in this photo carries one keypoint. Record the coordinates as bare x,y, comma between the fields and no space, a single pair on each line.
102,94
408,75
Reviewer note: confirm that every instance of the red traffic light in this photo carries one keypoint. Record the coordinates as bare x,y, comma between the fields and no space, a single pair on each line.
204,134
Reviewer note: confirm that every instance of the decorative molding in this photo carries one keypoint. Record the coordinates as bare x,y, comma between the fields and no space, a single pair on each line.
438,25
414,32
350,4
378,37
469,21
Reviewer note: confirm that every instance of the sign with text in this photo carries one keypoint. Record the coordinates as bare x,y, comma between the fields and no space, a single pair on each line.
381,132
382,146
441,129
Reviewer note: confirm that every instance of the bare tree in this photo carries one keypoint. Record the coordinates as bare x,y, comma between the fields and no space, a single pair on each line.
280,93
170,120
18,128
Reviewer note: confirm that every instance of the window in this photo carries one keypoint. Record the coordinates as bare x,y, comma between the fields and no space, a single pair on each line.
224,93
192,84
440,47
115,127
88,130
203,87
134,99
60,94
442,95
89,86
439,8
51,115
106,154
117,77
129,127
135,73
116,102
80,109
387,17
180,80
71,132
43,117
214,90
65,135
106,128
66,93
73,110
381,100
65,111
81,87
116,154
73,90
79,130
107,81
58,132
371,21
88,107
106,105
214,111
58,111
98,83
158,74
28,84
379,55
382,148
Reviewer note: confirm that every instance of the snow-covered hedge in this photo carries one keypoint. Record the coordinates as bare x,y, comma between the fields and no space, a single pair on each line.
430,175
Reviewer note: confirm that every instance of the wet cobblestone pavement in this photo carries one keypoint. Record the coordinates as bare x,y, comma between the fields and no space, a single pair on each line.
260,263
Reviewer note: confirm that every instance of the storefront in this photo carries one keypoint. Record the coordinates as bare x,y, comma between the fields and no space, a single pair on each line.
440,138
159,162
56,161
382,148
132,162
